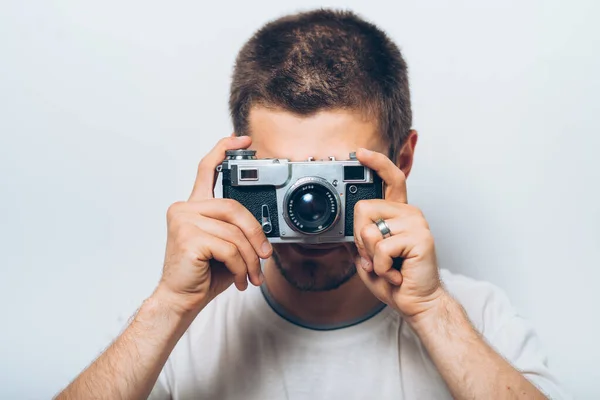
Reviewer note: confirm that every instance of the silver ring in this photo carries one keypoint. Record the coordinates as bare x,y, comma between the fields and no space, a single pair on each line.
383,228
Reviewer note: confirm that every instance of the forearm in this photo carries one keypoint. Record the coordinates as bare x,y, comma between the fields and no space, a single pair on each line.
129,368
469,366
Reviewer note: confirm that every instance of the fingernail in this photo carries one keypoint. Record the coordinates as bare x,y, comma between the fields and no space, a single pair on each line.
366,151
364,263
265,248
240,137
261,277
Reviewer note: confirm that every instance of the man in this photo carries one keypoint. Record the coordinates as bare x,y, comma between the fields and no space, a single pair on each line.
326,321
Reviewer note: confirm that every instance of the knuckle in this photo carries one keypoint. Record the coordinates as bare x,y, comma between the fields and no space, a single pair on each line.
174,209
413,210
417,219
379,268
231,252
428,240
235,233
418,212
361,207
255,230
381,247
364,231
229,206
368,232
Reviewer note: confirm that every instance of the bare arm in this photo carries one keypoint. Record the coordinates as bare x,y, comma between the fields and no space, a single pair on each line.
469,366
211,243
129,368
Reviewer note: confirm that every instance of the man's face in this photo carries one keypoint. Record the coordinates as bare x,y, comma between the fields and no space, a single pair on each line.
280,134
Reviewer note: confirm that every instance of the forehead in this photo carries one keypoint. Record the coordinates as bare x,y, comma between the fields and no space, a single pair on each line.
282,134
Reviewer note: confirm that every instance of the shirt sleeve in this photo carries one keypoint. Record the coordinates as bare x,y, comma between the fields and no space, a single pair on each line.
515,338
518,343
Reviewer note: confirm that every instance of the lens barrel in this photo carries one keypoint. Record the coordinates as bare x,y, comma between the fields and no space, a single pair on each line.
312,206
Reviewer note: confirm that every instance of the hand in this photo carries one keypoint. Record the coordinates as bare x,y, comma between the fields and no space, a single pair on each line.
416,287
211,243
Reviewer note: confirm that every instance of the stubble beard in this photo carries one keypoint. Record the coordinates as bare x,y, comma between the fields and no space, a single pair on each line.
309,275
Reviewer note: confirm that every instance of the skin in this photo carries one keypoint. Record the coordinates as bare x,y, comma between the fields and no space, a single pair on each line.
213,243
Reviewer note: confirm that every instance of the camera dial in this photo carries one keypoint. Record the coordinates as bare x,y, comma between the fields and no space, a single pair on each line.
240,154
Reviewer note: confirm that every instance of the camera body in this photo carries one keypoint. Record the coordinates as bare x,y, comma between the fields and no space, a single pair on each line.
299,202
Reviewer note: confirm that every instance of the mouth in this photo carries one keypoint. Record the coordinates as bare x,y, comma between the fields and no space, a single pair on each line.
314,250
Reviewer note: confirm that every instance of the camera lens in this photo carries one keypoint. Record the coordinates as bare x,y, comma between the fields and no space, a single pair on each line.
312,206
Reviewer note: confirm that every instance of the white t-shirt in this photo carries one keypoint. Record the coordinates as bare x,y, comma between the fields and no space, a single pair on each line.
240,348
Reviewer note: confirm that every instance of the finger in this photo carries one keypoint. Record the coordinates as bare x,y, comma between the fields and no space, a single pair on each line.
386,251
227,253
234,235
411,225
360,262
371,235
406,222
205,178
366,212
235,213
394,178
364,260
377,285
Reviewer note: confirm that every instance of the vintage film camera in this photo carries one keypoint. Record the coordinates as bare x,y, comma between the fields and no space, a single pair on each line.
299,202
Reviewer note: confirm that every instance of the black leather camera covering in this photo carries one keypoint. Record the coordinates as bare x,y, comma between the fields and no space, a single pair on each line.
253,198
364,192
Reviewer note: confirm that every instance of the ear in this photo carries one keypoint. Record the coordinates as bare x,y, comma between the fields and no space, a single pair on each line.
405,157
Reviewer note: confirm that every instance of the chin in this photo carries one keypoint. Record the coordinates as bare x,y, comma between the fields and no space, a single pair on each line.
319,267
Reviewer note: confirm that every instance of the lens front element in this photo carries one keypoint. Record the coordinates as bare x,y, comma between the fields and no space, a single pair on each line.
312,206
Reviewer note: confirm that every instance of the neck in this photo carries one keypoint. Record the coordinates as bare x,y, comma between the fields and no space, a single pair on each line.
349,302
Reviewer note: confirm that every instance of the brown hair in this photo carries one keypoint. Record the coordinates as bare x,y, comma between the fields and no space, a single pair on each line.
319,60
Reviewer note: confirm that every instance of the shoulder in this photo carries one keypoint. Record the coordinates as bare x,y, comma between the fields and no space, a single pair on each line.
487,305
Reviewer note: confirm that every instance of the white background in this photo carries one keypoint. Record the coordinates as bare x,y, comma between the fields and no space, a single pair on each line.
107,107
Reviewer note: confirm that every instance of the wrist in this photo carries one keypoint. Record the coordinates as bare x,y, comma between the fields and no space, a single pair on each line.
162,318
442,313
173,305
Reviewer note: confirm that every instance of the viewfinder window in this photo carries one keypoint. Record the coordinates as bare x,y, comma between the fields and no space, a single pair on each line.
354,173
248,174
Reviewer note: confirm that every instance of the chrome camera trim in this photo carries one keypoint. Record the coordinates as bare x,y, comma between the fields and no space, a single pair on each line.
316,181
